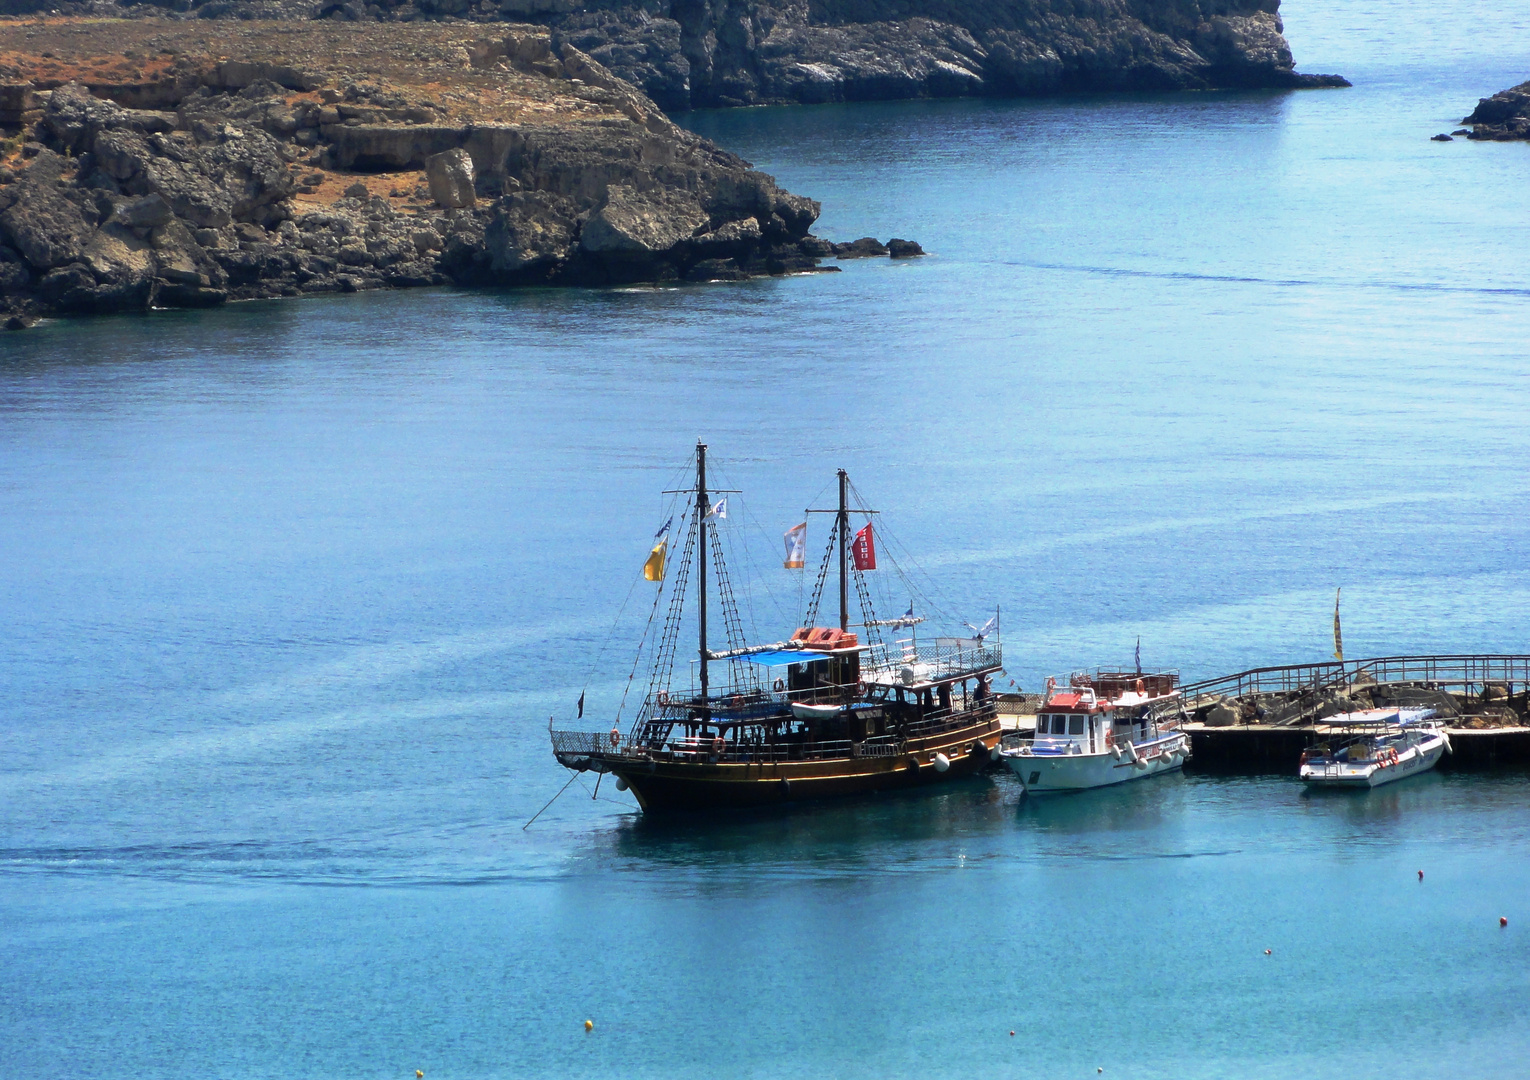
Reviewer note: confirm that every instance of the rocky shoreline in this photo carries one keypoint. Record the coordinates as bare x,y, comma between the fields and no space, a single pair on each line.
703,53
140,170
1503,117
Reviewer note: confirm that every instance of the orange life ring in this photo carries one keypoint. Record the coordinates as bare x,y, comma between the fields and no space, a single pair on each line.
1141,687
1051,684
717,745
662,697
1110,737
616,736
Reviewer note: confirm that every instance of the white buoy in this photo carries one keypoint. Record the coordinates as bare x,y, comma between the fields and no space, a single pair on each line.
942,763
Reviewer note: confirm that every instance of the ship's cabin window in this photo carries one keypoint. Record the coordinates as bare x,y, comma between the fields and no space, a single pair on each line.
1075,725
1059,724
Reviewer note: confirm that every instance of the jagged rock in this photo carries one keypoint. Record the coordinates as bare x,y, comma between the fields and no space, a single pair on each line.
451,177
47,222
642,222
865,247
1505,115
529,231
903,249
148,212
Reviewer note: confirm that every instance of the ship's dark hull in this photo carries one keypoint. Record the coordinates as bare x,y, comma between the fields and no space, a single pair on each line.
704,785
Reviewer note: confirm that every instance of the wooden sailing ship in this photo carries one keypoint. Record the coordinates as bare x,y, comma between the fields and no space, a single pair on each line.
820,714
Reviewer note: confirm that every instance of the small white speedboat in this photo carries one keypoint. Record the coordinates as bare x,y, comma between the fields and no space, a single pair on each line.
1372,747
1099,730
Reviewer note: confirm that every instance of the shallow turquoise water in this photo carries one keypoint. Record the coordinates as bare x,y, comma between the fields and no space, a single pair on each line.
290,589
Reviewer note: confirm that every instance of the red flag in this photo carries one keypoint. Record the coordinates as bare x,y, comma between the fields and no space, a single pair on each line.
864,549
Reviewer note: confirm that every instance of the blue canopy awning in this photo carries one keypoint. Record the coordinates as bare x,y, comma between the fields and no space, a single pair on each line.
778,657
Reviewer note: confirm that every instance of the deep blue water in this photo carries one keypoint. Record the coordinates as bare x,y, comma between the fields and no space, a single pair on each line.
289,591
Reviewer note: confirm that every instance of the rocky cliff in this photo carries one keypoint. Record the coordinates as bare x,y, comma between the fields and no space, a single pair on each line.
1505,115
145,167
687,53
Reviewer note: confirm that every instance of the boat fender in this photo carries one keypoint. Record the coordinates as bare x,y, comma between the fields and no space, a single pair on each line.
942,763
780,685
786,787
977,749
616,737
1446,736
1141,763
621,785
1131,752
913,764
995,754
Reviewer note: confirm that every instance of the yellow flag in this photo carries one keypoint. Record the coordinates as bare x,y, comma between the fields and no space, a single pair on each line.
653,569
1338,638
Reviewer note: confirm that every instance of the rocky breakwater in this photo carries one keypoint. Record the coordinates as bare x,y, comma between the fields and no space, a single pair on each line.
692,53
1502,117
469,160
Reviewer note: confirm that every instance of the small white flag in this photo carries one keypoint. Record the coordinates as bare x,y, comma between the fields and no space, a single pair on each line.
719,509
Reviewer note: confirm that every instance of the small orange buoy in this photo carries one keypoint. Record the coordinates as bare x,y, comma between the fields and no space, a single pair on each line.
1267,952
1012,1034
589,1025
1502,921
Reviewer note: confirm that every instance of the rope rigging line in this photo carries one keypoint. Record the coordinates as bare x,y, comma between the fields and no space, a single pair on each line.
664,655
757,573
811,617
732,627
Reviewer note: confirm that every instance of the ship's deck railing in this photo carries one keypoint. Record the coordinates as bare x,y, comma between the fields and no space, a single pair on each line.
587,744
938,662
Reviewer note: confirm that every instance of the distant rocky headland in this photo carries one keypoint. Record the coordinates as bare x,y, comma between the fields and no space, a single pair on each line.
699,53
143,169
203,151
1504,116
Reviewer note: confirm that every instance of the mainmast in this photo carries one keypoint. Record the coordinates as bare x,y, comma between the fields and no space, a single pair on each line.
703,508
844,575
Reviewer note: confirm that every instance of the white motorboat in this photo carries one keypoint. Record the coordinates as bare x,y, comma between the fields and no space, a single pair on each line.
1100,730
1372,747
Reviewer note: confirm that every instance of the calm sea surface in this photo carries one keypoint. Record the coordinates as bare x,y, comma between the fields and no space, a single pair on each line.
289,590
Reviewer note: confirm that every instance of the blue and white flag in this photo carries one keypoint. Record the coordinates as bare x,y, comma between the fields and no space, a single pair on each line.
1139,655
665,527
719,509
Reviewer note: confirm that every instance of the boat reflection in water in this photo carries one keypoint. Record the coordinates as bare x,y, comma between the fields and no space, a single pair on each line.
822,713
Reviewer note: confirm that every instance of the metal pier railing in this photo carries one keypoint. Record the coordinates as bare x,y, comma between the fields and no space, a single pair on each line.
1469,671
